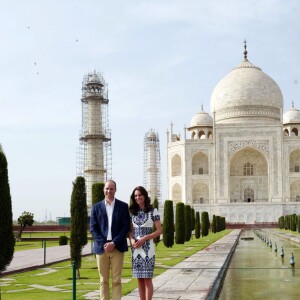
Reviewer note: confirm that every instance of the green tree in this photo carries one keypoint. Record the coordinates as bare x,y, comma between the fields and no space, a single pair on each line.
219,223
156,205
187,222
7,241
204,223
168,224
79,221
26,219
223,223
286,222
179,224
192,219
97,192
294,222
214,224
197,225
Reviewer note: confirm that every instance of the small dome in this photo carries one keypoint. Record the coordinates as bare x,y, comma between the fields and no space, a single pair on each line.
201,119
151,135
94,78
292,116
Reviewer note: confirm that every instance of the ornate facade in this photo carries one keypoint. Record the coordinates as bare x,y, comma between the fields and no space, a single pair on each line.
241,162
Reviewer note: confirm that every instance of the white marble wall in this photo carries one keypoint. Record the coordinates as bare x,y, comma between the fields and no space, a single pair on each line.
228,140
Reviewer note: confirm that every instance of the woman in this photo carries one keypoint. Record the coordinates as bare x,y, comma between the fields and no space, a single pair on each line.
143,216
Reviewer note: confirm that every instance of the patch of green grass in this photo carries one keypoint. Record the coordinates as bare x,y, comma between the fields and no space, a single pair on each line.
41,234
28,245
288,231
32,244
36,284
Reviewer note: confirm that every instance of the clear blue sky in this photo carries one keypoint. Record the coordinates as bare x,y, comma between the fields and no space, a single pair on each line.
161,60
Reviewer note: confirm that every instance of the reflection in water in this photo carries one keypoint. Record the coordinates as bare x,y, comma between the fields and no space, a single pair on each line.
293,271
256,271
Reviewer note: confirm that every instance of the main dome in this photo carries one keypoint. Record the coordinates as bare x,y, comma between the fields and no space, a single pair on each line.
246,93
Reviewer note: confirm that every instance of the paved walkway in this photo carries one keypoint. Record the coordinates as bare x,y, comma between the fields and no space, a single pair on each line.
197,277
31,259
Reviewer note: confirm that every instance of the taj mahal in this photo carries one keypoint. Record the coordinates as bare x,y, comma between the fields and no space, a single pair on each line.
242,161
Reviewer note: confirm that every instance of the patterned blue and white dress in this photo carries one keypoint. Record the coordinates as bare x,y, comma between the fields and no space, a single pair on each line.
143,258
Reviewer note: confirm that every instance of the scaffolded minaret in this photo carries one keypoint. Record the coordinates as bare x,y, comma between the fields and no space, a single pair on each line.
94,161
152,174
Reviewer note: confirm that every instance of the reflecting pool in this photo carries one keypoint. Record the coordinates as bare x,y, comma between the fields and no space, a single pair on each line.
257,271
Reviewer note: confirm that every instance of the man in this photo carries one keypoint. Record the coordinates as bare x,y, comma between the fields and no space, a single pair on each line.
109,225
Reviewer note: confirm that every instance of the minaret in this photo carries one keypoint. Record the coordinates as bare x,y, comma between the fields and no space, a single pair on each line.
95,139
152,174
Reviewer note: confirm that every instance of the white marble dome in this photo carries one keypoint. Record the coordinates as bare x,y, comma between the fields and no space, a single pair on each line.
292,116
246,93
201,118
94,78
151,134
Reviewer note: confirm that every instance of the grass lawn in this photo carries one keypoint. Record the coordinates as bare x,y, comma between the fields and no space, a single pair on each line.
288,231
41,234
55,281
31,244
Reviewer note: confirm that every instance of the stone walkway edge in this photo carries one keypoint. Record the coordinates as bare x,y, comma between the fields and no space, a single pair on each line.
198,277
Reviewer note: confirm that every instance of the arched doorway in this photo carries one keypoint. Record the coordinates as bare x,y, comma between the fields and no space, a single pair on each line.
248,195
249,179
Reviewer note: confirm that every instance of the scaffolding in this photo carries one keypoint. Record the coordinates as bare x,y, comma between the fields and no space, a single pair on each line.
152,168
94,161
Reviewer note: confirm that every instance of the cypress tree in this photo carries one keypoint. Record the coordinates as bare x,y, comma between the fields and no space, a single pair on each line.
156,205
192,219
7,240
224,223
79,220
168,224
187,222
218,222
197,225
179,224
97,192
295,220
286,227
214,224
204,223
280,223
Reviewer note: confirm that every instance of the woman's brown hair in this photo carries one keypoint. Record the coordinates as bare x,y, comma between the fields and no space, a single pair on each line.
134,207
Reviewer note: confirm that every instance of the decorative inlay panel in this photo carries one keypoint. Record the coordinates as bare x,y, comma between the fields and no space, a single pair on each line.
248,111
234,145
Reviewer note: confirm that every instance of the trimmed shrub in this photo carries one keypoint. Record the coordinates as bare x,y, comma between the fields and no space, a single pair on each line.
97,192
179,224
214,224
187,222
79,221
63,240
204,223
168,224
156,205
192,219
197,225
7,239
223,223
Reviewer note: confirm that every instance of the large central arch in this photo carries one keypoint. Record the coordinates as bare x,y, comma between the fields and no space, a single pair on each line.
249,179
